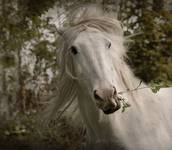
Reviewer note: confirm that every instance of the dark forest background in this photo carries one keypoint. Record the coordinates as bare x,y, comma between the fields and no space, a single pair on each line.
28,63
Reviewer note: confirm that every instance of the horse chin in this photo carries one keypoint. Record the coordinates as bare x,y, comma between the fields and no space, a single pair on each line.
110,110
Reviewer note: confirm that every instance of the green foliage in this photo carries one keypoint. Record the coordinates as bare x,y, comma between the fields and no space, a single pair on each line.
125,106
156,85
151,53
35,7
22,35
7,61
25,128
41,50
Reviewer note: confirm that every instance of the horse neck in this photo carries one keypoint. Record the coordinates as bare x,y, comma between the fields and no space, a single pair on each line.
98,125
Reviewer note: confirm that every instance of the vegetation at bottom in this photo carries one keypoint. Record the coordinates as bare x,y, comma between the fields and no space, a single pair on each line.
24,132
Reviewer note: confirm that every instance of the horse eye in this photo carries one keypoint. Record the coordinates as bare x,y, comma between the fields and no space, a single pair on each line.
74,50
109,45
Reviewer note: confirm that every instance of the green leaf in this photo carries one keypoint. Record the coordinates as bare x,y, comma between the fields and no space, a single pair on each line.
125,105
156,85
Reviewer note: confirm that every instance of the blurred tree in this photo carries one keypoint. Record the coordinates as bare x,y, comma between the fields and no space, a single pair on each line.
150,54
21,34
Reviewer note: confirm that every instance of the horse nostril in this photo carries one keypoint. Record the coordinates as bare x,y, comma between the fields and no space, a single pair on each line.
115,91
96,96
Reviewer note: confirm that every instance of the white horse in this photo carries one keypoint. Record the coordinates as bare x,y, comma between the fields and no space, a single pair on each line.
92,71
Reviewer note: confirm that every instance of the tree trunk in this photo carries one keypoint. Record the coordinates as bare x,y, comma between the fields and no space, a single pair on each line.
20,97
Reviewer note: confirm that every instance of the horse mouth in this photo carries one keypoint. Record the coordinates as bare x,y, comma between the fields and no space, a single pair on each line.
109,111
109,107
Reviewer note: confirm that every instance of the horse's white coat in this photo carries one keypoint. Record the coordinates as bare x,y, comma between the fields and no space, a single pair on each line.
146,125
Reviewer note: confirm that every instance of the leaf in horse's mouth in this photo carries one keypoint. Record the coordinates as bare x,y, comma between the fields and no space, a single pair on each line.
124,102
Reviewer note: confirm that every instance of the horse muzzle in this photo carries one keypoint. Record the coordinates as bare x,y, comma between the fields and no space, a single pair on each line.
106,100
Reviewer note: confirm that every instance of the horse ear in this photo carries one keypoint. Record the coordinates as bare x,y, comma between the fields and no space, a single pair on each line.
57,31
60,31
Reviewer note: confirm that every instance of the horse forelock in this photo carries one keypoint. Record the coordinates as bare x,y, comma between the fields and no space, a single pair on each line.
92,16
103,23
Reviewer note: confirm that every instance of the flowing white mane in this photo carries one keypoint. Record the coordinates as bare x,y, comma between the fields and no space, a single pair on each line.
66,86
139,122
